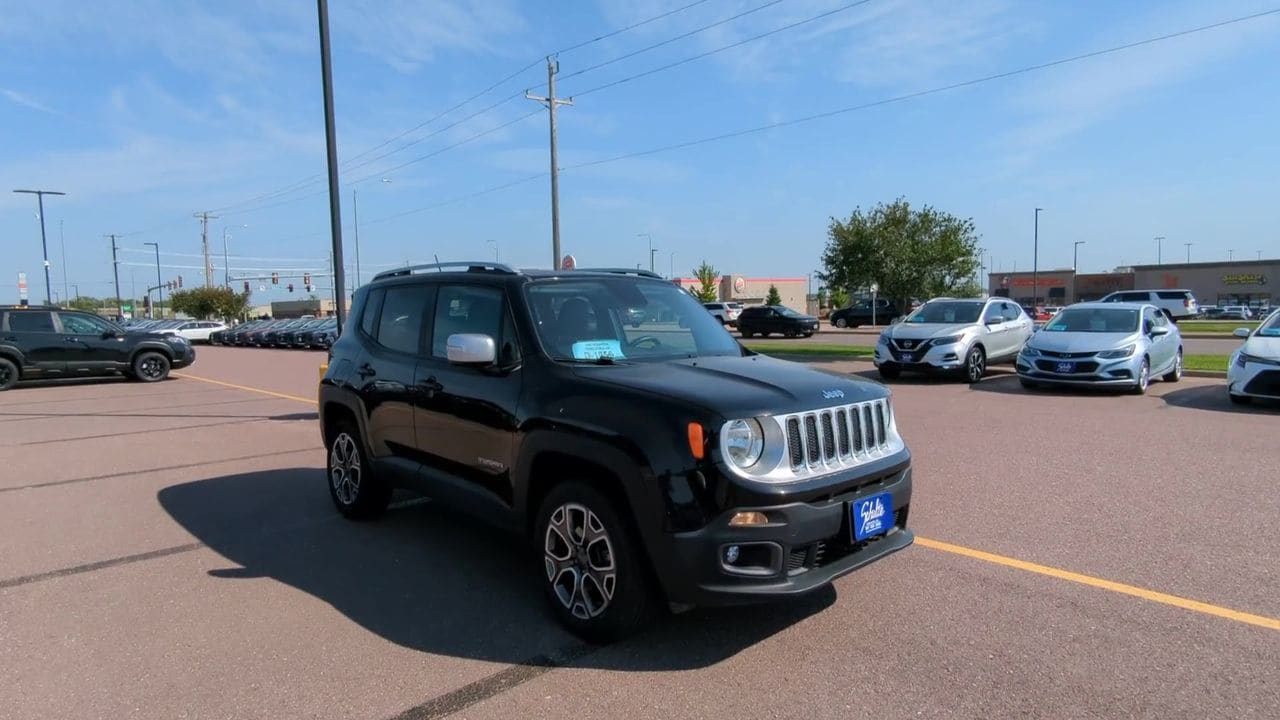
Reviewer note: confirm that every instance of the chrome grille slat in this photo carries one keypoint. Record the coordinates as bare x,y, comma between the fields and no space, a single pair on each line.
829,439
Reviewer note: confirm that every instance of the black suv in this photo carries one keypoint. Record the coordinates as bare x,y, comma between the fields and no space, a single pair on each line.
764,319
650,465
49,342
862,313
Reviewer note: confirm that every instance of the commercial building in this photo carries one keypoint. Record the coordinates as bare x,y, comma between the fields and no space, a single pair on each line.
753,291
1241,282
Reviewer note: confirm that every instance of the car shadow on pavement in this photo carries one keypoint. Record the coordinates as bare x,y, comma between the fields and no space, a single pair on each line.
427,578
1214,398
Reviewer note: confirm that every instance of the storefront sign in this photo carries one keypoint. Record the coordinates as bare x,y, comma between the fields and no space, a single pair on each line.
1244,279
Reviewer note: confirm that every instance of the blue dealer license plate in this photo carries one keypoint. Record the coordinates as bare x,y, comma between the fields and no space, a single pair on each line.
1066,368
872,516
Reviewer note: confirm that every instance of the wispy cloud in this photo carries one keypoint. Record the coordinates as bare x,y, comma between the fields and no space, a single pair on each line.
27,101
407,34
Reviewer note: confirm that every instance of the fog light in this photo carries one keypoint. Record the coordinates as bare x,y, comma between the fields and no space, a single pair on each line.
731,554
748,518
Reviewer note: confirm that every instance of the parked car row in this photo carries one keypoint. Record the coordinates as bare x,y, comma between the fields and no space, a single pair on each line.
196,331
310,333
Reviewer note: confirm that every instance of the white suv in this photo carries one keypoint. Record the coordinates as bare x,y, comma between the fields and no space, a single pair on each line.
1178,304
726,313
957,336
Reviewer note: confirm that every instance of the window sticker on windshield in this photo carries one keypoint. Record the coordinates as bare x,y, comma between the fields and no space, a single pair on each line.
596,349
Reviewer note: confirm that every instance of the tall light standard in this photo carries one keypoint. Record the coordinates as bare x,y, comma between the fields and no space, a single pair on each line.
1075,254
1159,249
1231,255
1035,263
62,240
672,269
355,225
1188,252
651,249
159,284
226,257
43,242
494,243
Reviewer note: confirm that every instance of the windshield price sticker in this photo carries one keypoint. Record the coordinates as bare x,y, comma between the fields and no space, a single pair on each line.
596,349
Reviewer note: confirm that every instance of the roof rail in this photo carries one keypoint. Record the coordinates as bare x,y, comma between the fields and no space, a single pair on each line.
624,271
470,266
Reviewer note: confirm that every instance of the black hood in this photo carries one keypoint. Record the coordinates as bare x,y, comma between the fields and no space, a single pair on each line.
739,386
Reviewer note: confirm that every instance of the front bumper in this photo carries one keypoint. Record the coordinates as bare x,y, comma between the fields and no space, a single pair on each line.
183,359
1090,371
942,358
805,546
1254,380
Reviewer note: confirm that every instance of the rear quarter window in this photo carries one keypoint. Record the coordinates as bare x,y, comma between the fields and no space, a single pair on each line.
1166,295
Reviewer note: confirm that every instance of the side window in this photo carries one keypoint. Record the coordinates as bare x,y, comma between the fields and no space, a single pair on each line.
369,320
993,314
1136,297
1010,312
471,309
24,321
82,325
400,322
1148,320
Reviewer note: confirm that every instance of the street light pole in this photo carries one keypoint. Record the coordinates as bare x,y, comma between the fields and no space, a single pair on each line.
1188,252
1075,254
651,250
494,243
44,244
62,240
159,284
672,270
1159,249
1035,263
331,151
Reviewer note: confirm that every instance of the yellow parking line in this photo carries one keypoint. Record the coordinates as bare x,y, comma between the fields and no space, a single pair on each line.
246,388
1151,595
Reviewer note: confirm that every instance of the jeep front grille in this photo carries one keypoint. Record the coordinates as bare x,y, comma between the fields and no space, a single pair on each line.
837,437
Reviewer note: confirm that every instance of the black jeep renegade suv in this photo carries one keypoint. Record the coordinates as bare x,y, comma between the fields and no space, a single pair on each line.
48,342
650,464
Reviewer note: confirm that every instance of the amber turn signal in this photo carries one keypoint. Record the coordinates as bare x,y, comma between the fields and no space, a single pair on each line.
748,518
696,444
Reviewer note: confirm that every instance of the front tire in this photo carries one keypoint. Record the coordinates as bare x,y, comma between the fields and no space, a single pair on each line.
149,367
842,323
1144,378
595,577
975,364
8,374
356,491
1175,374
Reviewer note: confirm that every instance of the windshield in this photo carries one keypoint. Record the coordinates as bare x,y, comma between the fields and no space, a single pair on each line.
784,310
623,318
1096,320
946,313
1271,328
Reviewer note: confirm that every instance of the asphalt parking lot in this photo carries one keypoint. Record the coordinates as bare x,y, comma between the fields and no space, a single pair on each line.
170,551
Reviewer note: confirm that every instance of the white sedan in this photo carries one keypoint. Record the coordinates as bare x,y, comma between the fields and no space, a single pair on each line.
1254,371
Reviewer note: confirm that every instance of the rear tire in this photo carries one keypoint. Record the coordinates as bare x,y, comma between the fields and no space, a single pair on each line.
596,578
1175,374
9,374
149,367
890,372
357,492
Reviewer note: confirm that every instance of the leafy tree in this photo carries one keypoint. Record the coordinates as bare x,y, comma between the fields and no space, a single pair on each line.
708,280
205,302
839,298
85,303
910,253
773,298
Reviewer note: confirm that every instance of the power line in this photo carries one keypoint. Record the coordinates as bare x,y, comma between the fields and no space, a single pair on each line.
621,30
922,93
721,49
677,38
460,198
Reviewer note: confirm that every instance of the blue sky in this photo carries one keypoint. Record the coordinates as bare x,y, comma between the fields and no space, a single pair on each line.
150,110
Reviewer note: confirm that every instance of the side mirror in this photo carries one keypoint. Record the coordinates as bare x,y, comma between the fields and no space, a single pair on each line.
109,334
1241,332
1157,331
471,349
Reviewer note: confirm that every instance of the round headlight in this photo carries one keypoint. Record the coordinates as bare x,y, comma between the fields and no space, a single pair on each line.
743,442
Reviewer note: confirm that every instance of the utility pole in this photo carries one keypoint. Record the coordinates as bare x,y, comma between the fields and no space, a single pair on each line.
551,102
48,300
226,260
204,244
1188,252
331,151
1035,263
159,285
115,269
1159,249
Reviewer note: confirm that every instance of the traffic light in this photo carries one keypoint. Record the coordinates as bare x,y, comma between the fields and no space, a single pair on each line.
246,287
179,281
275,278
290,287
306,279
